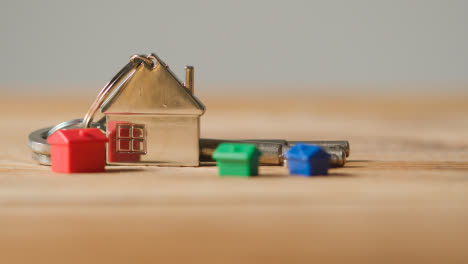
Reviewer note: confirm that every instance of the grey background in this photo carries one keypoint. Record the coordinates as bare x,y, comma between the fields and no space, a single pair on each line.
58,42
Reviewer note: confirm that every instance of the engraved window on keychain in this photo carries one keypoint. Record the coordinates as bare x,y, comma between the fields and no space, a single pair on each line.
131,138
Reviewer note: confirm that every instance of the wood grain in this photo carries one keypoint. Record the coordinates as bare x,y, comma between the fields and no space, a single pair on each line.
402,197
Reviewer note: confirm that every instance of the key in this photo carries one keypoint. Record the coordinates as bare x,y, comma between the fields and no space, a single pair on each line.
337,144
273,150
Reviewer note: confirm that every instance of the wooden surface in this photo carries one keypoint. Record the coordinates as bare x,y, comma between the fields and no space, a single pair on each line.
402,197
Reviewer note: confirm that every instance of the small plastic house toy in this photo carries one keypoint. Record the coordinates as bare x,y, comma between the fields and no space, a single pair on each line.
78,150
237,159
307,160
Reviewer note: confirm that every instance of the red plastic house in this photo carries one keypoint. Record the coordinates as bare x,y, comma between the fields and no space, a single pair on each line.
78,150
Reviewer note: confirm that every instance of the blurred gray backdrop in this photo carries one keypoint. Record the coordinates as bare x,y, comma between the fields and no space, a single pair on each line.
58,42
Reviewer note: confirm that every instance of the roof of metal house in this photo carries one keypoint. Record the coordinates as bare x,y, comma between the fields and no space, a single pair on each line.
153,91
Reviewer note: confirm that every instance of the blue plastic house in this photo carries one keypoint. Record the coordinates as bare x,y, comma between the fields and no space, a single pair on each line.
307,160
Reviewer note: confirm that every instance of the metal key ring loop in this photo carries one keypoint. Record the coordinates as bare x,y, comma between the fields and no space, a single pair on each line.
121,77
115,84
88,117
149,60
128,69
64,125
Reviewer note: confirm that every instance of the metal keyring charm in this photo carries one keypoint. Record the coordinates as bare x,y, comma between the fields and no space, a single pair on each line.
37,141
64,125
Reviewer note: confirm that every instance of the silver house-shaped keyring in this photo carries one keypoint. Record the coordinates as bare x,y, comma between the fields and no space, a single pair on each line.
151,117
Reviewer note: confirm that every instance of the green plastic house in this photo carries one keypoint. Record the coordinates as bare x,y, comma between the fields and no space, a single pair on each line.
234,159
